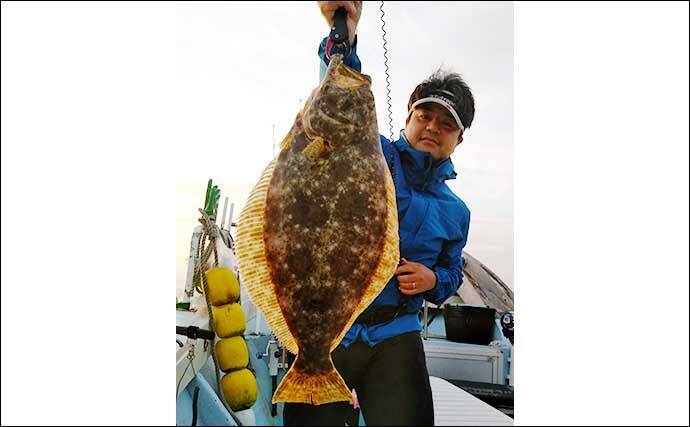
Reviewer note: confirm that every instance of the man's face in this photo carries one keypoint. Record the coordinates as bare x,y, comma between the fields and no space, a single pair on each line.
432,129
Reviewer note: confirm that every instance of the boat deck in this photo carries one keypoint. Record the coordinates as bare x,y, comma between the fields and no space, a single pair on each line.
452,405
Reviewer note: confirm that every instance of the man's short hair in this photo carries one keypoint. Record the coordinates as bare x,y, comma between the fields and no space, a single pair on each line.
449,85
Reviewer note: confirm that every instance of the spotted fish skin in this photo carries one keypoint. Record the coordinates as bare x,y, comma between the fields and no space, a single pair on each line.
325,218
318,238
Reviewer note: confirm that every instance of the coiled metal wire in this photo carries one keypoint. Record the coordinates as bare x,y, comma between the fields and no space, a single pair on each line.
388,83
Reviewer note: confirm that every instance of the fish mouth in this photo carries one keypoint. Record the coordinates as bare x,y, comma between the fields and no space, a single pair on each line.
345,77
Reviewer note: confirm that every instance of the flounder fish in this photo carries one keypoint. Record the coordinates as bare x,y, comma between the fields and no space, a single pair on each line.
318,237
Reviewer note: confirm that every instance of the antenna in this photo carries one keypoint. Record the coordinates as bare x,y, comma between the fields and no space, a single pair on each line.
232,208
225,208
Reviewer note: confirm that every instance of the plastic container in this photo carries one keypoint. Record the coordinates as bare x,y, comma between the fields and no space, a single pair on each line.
470,324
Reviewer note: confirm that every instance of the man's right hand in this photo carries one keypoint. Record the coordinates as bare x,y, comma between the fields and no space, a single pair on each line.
354,11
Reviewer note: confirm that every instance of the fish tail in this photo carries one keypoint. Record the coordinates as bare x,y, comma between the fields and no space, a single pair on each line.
316,389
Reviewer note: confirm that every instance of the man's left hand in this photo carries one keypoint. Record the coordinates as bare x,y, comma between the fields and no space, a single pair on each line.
414,278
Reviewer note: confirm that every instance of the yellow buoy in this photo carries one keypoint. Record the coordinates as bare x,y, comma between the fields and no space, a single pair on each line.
232,353
229,320
240,389
223,286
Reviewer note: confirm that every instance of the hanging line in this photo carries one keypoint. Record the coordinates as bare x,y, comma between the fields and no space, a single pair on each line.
388,83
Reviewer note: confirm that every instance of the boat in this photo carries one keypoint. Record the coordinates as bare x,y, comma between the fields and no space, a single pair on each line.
471,374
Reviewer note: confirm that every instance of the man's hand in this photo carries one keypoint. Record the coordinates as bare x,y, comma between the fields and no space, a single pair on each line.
354,11
414,278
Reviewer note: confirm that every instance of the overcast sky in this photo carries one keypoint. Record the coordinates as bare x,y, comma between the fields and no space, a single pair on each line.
244,67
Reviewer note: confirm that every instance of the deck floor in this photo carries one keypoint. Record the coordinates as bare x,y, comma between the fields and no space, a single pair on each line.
454,406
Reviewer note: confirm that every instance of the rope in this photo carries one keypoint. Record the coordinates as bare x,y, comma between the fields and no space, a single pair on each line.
210,232
388,83
190,357
195,408
196,279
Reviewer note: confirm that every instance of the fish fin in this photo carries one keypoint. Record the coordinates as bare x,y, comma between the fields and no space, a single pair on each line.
254,271
316,148
287,141
290,137
390,256
315,389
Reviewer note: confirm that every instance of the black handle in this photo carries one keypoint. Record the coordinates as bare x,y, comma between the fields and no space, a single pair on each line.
339,35
195,332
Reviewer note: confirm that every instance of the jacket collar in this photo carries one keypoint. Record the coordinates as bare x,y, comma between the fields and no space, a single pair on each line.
419,168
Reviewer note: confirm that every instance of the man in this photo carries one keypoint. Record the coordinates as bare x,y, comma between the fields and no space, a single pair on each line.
382,355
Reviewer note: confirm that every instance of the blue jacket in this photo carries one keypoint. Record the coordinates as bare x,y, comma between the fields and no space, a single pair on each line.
433,227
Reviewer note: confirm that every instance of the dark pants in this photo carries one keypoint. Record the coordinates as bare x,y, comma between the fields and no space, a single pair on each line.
391,381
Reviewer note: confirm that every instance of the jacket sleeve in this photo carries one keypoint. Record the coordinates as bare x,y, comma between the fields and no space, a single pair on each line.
386,148
351,60
448,269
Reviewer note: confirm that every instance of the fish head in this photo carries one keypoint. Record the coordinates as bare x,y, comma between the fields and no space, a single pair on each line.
341,109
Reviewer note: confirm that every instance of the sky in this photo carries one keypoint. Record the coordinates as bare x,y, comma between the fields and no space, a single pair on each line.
243,70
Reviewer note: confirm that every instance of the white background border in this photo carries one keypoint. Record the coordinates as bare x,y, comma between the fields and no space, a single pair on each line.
601,213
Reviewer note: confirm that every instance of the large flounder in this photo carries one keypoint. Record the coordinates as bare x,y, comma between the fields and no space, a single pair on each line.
318,237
